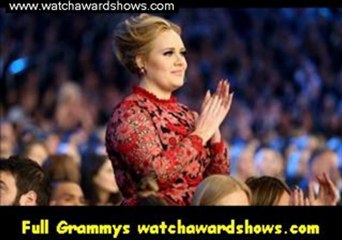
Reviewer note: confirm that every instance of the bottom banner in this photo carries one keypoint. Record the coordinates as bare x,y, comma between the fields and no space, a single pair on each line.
170,223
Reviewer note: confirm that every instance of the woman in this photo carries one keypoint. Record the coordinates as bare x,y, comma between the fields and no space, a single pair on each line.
222,190
271,191
98,181
150,134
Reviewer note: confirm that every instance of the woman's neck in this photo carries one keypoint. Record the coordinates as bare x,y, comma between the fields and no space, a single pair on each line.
103,197
157,91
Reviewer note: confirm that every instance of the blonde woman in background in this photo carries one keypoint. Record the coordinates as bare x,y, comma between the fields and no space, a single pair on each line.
221,190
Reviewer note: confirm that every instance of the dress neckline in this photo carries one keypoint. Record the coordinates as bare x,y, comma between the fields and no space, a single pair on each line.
143,92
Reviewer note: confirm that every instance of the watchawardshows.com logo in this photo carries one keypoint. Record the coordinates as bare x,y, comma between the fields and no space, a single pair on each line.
64,227
105,6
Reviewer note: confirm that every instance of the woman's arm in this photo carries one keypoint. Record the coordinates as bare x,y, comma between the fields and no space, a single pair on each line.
219,160
135,138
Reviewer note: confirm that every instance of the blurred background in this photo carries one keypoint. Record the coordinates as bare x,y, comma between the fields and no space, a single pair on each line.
60,82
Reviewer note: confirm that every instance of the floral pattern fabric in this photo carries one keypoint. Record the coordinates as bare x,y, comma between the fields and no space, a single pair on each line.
147,136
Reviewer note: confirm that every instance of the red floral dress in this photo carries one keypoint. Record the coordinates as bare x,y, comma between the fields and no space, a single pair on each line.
147,136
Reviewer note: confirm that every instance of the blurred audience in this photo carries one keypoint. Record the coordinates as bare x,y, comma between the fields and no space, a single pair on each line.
37,151
269,162
7,139
62,167
66,193
60,81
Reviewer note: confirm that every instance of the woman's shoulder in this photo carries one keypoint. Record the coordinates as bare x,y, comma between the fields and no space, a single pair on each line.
132,103
129,101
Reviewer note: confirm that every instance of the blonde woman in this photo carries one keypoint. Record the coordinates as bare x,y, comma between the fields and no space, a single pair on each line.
150,133
221,190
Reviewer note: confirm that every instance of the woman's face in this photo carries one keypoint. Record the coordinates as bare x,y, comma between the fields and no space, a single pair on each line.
105,178
165,65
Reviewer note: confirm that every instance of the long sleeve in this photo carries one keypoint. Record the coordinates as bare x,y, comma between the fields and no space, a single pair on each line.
220,162
219,159
135,138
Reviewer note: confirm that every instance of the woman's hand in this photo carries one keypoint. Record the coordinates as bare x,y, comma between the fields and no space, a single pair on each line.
328,194
297,198
213,111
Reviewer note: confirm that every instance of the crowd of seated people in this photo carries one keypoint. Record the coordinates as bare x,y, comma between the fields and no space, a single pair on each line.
25,183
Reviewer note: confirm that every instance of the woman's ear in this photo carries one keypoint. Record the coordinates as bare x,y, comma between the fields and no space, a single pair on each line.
28,199
139,60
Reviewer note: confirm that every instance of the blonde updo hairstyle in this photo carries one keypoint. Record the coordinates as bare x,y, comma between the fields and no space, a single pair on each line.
134,37
217,186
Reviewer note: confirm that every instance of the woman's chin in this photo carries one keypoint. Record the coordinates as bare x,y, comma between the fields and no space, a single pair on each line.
177,84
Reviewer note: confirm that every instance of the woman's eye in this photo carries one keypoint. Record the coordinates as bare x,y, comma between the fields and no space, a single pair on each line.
169,53
183,53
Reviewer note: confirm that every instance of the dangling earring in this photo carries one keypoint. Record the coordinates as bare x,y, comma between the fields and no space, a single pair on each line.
142,71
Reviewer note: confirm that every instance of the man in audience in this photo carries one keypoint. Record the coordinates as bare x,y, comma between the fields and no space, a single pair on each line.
22,182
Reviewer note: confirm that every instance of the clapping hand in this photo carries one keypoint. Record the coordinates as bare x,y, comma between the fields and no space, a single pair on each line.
214,109
328,194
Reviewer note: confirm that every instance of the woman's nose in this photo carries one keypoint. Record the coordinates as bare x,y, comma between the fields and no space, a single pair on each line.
180,60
